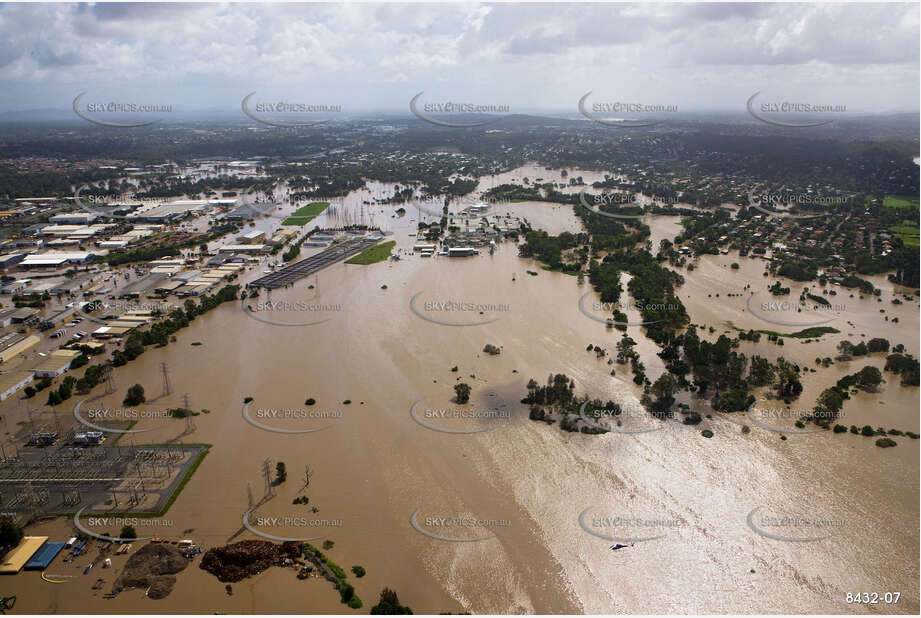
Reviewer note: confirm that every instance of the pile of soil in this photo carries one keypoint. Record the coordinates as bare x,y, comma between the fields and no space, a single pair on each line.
237,561
152,566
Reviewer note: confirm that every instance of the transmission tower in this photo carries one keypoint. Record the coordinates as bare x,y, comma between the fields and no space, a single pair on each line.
267,475
108,376
164,369
189,419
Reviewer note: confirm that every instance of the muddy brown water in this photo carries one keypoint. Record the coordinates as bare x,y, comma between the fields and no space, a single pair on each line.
376,466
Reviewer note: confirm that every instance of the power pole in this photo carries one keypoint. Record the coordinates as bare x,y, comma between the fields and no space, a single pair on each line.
109,378
164,369
267,474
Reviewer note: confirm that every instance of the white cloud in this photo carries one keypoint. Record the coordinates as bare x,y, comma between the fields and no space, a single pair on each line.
526,55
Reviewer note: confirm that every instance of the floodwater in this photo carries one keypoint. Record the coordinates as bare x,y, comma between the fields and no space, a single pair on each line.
374,465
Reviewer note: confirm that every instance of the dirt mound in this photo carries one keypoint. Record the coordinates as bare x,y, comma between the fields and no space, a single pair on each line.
243,559
153,567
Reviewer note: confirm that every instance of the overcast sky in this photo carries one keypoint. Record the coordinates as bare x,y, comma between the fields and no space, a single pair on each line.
526,56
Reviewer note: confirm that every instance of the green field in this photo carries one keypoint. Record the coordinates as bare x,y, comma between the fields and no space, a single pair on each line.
303,215
377,253
901,201
908,230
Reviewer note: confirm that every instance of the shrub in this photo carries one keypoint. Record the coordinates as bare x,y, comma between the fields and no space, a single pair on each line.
359,571
885,442
706,433
134,396
462,392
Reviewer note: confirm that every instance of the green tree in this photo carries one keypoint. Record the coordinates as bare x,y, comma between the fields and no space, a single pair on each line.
10,533
389,604
134,396
462,392
664,390
281,474
128,532
868,378
761,371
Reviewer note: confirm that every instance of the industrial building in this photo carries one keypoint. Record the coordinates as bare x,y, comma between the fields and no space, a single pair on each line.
243,249
9,260
17,558
252,237
80,218
250,211
55,259
462,251
55,364
13,382
23,314
21,347
15,287
108,332
142,285
43,558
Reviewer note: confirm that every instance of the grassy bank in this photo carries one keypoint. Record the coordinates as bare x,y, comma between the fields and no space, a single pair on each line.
807,333
305,214
377,253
